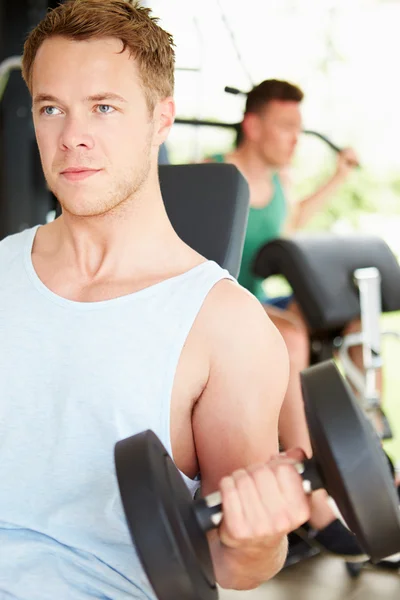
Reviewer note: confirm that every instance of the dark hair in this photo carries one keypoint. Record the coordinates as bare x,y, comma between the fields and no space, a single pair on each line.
133,24
266,91
272,89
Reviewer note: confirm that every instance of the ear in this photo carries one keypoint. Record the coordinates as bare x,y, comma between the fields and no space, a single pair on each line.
164,116
251,126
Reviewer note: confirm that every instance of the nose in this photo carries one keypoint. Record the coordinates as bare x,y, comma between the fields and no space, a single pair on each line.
76,134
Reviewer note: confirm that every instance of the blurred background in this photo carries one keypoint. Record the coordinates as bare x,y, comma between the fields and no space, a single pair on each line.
344,55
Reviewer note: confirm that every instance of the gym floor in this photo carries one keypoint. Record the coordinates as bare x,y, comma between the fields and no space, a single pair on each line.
324,578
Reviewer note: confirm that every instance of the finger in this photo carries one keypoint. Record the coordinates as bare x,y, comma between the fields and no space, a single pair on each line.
233,526
349,157
348,152
253,503
272,499
296,454
291,487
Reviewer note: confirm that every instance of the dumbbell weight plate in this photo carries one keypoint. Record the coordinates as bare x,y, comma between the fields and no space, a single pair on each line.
159,510
355,469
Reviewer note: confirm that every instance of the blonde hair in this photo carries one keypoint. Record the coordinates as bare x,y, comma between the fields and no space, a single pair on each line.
148,43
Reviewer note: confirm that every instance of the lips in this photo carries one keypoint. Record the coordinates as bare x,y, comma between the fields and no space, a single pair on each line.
78,173
77,170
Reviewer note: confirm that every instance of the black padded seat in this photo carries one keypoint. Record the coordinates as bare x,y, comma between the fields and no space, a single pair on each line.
320,269
208,205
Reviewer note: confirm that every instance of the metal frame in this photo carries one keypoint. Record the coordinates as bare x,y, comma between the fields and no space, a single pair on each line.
368,282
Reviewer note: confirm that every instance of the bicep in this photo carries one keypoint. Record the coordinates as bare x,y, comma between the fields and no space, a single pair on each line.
235,422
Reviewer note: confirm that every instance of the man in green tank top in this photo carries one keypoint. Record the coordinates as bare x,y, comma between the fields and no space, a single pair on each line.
266,143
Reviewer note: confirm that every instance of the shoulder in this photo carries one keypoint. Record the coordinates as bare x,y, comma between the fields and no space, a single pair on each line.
229,297
231,314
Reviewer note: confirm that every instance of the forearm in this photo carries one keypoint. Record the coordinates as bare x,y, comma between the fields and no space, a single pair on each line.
310,205
246,569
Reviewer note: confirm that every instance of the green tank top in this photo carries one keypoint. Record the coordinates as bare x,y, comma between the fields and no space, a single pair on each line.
264,224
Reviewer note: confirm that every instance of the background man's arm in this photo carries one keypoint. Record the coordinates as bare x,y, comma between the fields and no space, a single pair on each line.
304,210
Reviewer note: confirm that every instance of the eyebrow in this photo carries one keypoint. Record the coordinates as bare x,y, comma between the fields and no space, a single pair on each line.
40,98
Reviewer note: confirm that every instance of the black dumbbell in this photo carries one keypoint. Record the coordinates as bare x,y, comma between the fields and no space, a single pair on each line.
169,528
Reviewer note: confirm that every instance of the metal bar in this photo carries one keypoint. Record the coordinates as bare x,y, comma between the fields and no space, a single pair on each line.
236,126
200,122
188,69
353,373
324,138
368,281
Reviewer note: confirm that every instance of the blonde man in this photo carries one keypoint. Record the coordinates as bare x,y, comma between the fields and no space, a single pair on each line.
111,325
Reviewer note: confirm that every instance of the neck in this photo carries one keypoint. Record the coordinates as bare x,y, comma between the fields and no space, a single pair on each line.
135,236
253,166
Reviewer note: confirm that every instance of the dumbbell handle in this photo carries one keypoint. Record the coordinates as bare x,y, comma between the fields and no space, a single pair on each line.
208,510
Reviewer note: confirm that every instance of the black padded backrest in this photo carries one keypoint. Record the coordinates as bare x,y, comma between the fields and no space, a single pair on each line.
208,206
320,270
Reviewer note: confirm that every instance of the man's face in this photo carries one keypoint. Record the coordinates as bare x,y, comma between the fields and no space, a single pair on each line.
279,125
96,138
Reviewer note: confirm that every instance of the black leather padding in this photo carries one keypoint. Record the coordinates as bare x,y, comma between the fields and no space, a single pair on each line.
208,205
320,268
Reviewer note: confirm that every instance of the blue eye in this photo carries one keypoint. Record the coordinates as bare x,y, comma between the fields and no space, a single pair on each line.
46,110
106,107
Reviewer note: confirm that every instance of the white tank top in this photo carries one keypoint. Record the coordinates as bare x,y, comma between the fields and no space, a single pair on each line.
74,379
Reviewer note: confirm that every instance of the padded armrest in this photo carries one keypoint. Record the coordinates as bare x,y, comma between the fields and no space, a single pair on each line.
320,270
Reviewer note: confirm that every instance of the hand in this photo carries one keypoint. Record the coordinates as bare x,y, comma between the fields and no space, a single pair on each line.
263,503
346,162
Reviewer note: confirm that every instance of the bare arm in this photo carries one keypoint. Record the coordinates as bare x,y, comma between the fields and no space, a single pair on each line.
235,425
304,210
